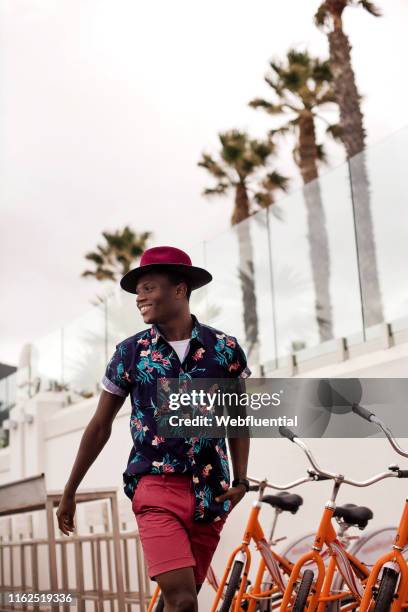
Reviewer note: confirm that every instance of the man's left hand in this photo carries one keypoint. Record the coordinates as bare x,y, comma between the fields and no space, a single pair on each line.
235,494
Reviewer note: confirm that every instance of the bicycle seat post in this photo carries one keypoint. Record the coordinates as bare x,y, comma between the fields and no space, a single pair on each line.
277,512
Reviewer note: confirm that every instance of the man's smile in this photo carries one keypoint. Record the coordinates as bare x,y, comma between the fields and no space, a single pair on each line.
143,309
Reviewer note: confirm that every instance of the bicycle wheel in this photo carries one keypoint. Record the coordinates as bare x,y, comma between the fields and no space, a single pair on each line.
386,590
233,584
303,592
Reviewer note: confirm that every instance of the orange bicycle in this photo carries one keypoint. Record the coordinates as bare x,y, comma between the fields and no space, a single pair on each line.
239,562
393,587
354,573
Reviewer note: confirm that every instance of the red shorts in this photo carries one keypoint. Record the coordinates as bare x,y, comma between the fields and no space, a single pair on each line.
164,507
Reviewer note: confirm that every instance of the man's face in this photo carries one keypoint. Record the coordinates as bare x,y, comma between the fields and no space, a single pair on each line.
157,298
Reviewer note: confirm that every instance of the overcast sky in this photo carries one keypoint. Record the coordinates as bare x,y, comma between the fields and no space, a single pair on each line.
105,108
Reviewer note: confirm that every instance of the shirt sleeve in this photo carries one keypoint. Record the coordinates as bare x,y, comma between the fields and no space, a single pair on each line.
238,367
238,372
118,374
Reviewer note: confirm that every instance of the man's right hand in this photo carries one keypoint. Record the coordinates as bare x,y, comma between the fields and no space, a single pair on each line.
66,513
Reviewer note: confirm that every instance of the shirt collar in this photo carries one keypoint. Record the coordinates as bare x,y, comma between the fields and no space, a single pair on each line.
196,332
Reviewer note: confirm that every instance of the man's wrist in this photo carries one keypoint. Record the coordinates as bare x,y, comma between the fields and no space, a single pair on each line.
241,481
69,491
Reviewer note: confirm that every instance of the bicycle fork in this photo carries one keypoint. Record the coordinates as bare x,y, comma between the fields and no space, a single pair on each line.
397,562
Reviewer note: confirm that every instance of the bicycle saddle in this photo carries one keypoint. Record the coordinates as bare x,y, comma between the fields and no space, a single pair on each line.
354,515
284,501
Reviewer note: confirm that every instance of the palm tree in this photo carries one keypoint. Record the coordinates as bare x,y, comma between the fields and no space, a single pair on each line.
114,258
303,89
241,168
329,16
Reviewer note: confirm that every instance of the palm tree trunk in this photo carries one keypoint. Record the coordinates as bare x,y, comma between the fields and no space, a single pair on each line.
246,272
316,221
353,136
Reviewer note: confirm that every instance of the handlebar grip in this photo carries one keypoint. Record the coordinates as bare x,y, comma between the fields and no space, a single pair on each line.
322,477
402,473
364,413
287,433
253,488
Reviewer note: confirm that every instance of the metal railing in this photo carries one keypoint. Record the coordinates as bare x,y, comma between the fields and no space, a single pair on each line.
101,569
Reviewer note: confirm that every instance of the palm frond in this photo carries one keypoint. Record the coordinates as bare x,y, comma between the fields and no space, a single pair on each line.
233,145
287,128
335,131
263,198
371,8
321,71
274,180
220,189
212,166
269,107
321,15
95,257
262,148
296,57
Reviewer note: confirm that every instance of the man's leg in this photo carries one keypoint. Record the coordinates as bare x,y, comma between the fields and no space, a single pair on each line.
179,590
160,602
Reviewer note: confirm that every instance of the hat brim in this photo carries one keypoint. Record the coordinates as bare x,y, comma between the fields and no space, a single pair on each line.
196,277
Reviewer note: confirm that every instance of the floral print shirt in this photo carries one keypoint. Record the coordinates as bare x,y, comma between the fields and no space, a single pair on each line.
137,366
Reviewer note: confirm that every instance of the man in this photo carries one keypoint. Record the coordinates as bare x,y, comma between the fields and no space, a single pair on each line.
179,487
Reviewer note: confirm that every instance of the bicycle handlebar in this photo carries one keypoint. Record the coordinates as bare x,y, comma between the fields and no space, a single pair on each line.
325,475
270,485
372,418
287,433
394,472
364,413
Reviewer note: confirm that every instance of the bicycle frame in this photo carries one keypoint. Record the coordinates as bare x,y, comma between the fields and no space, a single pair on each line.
253,531
340,559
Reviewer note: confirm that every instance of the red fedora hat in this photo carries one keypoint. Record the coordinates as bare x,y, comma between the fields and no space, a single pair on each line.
167,259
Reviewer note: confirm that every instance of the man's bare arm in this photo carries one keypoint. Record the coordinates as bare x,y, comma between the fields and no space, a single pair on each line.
239,451
94,438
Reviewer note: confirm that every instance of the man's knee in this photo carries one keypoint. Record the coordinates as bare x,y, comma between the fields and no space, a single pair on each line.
182,601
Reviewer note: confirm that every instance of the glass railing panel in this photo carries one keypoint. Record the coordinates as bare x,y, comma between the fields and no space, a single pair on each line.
381,213
293,290
315,277
259,224
224,292
240,293
84,352
344,279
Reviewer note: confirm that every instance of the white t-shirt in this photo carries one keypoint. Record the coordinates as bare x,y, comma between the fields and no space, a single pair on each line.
180,346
